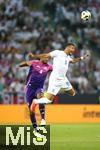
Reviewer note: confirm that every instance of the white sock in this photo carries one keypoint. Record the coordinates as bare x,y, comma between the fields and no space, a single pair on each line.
42,100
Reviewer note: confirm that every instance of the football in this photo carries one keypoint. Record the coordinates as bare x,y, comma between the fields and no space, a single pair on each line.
85,15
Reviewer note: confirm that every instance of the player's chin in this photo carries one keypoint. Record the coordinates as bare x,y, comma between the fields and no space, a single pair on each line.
45,62
71,53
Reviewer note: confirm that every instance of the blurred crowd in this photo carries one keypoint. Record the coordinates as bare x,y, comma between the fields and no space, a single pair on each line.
41,27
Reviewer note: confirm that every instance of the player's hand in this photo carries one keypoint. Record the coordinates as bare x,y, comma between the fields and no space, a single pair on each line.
30,55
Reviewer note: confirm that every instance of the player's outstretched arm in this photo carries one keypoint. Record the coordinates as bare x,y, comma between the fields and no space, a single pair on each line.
25,64
39,56
75,60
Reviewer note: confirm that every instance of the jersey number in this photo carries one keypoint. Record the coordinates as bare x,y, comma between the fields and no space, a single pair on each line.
41,71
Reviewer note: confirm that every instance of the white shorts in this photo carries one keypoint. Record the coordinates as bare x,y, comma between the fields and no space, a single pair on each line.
55,86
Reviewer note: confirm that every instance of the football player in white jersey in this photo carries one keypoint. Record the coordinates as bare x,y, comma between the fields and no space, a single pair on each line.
58,79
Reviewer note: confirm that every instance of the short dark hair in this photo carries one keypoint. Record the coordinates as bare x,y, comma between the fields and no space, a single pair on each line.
68,44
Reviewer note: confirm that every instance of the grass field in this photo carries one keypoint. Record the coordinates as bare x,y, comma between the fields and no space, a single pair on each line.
75,137
64,137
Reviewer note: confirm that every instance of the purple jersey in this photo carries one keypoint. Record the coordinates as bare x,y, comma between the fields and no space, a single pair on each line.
38,72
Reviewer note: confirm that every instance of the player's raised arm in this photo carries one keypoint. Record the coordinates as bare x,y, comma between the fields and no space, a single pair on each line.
39,56
25,64
75,60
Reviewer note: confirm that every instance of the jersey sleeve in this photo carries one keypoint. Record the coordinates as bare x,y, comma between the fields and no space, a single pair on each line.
54,53
70,59
31,62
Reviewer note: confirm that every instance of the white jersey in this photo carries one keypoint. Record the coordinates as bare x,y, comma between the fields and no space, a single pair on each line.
60,64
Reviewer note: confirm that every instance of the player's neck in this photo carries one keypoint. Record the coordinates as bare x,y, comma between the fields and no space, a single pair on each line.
42,62
66,52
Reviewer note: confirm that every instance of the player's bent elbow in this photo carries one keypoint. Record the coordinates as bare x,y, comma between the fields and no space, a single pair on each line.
73,93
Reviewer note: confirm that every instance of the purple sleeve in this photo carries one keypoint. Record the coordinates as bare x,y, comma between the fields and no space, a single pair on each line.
32,62
50,67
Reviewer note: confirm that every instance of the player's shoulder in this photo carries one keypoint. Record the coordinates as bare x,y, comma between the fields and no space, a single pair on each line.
33,62
36,60
61,52
50,66
58,51
55,51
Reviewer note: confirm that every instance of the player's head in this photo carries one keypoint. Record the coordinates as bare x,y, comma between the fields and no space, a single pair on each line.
44,60
70,48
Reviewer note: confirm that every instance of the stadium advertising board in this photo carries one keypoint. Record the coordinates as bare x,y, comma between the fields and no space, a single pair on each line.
19,114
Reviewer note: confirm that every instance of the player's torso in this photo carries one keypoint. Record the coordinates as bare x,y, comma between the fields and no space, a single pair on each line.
60,65
38,72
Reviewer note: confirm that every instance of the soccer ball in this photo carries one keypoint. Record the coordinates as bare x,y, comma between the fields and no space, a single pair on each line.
85,15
